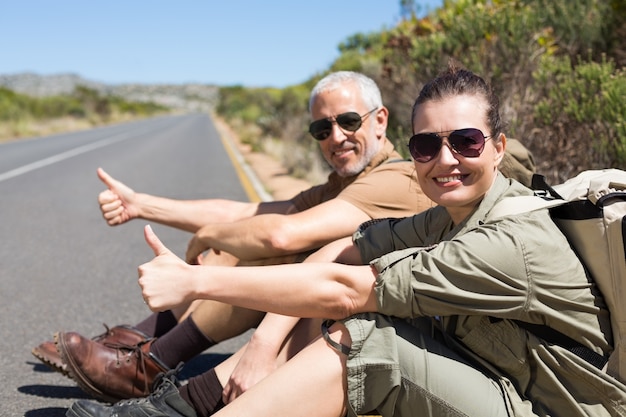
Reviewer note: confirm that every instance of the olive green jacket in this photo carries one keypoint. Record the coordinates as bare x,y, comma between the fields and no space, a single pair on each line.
480,279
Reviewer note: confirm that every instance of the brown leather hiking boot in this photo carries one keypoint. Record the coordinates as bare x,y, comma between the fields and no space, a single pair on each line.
48,354
110,371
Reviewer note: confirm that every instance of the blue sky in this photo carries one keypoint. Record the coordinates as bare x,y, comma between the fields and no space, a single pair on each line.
225,42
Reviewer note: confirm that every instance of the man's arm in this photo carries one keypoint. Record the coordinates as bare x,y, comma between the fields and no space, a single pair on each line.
192,215
120,204
270,235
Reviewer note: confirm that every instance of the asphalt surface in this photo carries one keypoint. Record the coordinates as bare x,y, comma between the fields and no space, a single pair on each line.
62,268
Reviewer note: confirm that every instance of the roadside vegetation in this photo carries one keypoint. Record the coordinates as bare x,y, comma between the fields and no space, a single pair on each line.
26,116
559,66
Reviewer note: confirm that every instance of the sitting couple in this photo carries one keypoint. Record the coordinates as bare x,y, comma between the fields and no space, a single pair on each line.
425,315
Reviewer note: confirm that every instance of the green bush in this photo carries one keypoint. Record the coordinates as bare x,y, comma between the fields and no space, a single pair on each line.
56,106
13,106
581,115
135,108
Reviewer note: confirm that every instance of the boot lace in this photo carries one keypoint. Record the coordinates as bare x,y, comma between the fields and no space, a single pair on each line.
161,383
124,352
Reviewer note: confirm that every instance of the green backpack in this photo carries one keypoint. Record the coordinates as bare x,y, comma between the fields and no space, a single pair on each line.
590,210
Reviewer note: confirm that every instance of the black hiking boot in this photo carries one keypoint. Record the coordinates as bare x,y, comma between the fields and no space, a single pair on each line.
165,401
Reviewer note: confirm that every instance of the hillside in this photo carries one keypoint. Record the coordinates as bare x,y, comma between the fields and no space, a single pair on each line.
188,97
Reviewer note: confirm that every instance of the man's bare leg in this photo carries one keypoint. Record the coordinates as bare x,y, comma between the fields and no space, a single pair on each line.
220,321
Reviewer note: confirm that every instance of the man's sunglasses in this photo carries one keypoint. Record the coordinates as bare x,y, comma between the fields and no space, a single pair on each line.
350,121
468,142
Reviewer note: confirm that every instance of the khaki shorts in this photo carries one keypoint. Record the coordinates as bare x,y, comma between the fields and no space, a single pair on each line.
400,367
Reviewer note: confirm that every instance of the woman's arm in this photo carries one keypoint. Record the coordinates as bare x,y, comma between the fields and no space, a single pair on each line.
320,290
260,357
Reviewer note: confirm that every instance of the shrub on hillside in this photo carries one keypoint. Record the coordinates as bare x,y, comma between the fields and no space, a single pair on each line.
580,117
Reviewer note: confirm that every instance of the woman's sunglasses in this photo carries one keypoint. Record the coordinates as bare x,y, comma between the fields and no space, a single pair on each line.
350,121
468,142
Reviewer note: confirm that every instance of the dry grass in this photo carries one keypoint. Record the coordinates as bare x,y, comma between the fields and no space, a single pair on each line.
28,128
298,161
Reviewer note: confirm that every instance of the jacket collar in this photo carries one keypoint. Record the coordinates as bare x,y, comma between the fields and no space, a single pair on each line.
502,188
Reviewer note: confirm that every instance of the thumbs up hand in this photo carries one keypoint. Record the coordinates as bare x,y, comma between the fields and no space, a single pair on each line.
166,281
117,201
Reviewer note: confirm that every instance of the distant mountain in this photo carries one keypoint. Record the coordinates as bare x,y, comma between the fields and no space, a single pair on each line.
196,97
49,85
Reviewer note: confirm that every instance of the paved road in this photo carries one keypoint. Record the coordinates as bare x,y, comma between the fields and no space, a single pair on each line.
62,267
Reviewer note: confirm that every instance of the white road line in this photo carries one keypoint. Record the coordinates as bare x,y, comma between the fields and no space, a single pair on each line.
62,156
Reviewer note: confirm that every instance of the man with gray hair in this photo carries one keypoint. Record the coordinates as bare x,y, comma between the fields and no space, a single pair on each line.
370,180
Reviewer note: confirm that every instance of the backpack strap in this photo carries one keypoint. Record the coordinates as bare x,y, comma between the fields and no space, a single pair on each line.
557,338
539,183
545,197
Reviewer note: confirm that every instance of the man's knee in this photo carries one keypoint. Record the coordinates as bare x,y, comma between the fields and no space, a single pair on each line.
226,259
219,259
276,260
220,321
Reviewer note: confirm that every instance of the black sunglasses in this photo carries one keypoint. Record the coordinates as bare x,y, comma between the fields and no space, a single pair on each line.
468,142
350,121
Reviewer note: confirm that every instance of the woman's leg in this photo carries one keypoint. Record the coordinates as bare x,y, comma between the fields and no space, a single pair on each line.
395,368
312,383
